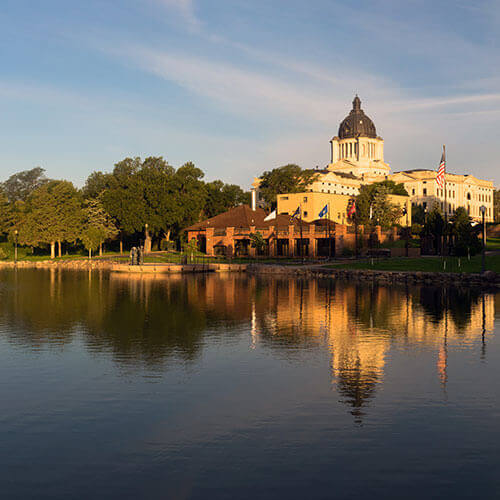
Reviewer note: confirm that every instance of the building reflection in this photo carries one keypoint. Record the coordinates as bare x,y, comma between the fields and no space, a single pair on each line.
150,321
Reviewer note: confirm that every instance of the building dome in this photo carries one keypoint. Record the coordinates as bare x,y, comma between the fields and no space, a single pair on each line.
356,123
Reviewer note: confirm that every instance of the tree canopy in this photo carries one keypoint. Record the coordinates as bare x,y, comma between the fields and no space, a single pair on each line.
20,185
373,201
287,179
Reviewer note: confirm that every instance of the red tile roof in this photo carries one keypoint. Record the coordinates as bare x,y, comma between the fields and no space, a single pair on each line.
243,216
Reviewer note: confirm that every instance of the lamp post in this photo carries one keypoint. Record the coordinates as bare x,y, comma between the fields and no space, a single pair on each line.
146,236
482,208
16,232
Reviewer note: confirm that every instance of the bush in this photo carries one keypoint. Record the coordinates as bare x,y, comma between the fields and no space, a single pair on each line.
347,252
166,245
3,254
416,229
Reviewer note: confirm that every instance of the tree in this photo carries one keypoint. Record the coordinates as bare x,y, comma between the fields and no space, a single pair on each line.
91,237
496,205
465,238
258,242
222,197
373,200
6,214
97,225
434,229
52,213
287,179
96,184
20,185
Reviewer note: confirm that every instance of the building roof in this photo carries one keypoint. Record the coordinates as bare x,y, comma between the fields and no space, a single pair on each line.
243,216
356,123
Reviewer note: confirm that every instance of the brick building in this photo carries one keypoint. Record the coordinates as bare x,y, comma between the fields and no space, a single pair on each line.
230,233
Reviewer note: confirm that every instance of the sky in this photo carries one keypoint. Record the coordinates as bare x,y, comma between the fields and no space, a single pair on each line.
240,87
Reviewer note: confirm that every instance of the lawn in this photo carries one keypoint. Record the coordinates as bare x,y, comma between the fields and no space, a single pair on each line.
493,243
425,264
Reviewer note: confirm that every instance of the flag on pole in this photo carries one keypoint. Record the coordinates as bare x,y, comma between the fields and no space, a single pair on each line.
441,171
352,209
295,215
323,212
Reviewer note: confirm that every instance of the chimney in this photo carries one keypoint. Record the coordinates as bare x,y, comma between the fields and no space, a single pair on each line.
254,200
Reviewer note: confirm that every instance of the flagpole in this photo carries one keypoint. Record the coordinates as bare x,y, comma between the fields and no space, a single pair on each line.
328,229
445,204
300,241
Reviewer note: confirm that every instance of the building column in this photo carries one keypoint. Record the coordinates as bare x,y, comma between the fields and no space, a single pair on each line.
210,240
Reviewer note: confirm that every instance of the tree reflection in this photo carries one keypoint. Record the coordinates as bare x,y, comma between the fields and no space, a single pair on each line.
153,320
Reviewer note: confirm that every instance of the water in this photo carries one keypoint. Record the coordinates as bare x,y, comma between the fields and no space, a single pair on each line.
231,386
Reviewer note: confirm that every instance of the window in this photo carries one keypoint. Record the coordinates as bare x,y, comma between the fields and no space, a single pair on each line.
413,191
305,214
305,199
284,197
425,191
468,196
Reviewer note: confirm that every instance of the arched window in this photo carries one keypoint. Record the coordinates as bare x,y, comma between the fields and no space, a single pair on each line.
468,196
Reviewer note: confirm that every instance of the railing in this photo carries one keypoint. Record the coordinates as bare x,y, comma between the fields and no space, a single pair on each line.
219,232
241,230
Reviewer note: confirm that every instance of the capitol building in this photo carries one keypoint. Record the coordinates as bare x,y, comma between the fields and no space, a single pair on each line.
357,158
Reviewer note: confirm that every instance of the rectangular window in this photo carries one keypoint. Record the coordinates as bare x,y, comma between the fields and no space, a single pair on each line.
413,191
305,214
284,197
425,191
305,199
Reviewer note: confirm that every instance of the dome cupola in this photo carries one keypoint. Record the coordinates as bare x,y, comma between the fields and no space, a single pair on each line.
356,123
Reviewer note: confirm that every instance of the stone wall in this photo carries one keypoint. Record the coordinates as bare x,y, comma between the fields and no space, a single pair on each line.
489,279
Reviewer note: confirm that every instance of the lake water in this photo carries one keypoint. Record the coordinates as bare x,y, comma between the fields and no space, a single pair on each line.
231,386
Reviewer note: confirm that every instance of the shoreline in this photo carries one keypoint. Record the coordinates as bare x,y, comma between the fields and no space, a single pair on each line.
489,279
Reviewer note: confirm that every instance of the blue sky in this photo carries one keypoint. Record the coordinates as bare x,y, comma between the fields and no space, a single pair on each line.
241,87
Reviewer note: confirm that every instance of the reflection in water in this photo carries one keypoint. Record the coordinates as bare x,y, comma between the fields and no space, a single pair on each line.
150,321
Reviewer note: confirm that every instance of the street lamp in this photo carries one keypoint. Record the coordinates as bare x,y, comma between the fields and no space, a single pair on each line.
16,232
482,208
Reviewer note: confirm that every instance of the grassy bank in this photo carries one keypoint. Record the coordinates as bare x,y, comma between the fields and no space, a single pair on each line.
425,264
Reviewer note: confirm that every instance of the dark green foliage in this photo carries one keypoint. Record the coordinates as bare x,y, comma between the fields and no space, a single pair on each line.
222,197
53,212
465,237
20,185
496,205
384,213
287,179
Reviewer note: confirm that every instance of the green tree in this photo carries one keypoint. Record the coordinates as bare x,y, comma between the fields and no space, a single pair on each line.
496,205
97,224
433,230
287,179
52,214
258,242
222,197
6,214
96,184
373,200
92,238
21,184
465,238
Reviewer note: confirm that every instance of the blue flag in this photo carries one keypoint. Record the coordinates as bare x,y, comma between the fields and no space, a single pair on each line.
323,212
295,214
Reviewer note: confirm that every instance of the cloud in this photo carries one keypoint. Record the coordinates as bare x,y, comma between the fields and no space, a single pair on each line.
186,10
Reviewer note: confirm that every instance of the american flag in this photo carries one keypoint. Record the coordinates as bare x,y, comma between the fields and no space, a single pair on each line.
352,209
441,171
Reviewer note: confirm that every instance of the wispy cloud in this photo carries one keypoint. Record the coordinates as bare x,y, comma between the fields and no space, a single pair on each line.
185,9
